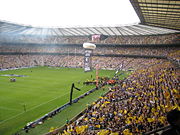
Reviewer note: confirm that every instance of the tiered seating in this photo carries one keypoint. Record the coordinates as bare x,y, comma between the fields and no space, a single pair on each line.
136,106
73,60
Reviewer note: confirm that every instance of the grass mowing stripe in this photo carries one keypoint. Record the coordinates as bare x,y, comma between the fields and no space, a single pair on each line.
31,109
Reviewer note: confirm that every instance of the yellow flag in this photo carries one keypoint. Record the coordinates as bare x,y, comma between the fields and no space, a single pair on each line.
86,119
127,132
101,118
66,133
80,129
153,109
125,111
103,132
150,119
175,91
114,133
51,129
107,102
98,126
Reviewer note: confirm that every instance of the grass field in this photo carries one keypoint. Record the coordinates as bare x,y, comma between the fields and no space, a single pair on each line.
42,90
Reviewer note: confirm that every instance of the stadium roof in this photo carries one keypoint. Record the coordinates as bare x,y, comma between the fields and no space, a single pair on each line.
160,13
156,16
10,28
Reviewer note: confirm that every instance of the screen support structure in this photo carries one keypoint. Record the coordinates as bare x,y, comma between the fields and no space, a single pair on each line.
88,60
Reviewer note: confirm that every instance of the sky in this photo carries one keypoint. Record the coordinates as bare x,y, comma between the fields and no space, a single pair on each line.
68,13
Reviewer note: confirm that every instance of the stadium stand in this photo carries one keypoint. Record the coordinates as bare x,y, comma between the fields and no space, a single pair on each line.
138,105
15,56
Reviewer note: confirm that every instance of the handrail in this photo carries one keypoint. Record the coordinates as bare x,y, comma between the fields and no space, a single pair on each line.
157,130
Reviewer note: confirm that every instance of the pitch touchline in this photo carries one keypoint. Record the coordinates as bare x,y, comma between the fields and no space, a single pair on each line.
31,109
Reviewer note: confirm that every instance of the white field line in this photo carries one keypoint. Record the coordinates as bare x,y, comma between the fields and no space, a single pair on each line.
31,109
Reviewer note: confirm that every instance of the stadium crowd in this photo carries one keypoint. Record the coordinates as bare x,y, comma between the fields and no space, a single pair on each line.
158,51
68,56
17,61
160,39
111,63
136,106
154,39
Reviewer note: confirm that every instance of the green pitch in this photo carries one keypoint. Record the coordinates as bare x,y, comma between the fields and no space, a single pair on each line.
41,91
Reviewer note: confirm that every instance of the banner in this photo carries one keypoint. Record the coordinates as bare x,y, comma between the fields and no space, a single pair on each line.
87,60
95,38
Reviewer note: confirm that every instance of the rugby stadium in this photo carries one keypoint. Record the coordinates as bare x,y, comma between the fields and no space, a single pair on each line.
100,80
